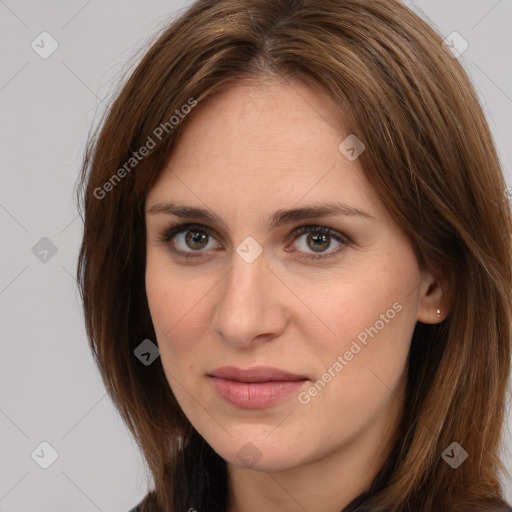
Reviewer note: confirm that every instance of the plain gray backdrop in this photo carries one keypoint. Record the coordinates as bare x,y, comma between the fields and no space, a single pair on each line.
50,389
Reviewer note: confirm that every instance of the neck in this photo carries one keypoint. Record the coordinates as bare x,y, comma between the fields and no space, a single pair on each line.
326,484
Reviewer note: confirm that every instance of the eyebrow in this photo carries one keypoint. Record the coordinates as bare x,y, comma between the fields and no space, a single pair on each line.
278,218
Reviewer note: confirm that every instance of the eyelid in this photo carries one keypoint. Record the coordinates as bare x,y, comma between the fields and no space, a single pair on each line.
171,231
174,229
340,237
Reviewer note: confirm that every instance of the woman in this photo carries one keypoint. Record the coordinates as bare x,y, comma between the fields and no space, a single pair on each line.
296,263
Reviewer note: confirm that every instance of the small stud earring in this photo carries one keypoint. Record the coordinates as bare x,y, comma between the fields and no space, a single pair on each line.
438,311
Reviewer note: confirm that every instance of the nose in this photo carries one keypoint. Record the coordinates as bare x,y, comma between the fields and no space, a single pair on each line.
251,307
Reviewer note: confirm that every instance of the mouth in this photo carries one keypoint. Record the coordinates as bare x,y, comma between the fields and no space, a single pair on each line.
256,374
256,387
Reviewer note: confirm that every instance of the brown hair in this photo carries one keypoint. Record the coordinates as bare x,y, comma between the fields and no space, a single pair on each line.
431,159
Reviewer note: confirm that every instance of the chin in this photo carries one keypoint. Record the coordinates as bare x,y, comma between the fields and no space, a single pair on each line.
258,452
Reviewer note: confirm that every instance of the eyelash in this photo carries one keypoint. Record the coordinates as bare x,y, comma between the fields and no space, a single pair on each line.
169,232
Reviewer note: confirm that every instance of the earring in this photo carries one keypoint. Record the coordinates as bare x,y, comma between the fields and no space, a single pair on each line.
438,311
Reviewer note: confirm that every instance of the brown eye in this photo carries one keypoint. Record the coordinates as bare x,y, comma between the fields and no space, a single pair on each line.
318,240
196,240
188,240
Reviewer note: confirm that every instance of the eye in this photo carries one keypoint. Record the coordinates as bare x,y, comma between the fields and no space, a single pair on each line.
319,239
187,239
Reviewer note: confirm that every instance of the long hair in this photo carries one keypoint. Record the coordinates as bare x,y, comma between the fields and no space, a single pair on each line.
430,158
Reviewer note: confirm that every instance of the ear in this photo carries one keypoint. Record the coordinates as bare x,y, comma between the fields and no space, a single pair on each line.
434,294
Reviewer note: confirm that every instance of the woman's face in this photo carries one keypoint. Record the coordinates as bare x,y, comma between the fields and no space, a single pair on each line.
335,308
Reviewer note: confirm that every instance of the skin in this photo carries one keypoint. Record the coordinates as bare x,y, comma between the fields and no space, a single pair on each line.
248,151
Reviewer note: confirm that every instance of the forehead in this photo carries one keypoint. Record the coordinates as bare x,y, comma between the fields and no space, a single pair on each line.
269,118
262,143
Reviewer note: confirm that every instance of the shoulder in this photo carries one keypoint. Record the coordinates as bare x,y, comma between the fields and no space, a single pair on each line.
493,506
500,506
147,504
138,508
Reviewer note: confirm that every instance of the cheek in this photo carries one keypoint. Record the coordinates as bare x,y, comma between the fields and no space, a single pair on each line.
360,300
175,306
360,371
367,319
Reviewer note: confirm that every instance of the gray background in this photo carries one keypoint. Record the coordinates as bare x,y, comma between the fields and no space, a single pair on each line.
50,389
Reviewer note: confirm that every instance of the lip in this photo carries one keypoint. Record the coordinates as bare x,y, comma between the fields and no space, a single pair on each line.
255,387
255,374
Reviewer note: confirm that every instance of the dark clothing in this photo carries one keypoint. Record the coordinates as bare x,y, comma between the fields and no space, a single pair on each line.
351,507
378,483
